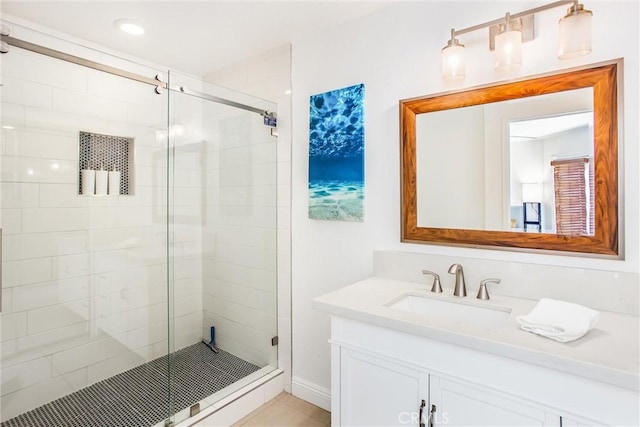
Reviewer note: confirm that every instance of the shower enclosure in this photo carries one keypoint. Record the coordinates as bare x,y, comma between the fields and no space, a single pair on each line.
110,301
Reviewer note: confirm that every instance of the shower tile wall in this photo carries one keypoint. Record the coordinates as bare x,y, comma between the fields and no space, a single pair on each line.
268,76
239,246
84,293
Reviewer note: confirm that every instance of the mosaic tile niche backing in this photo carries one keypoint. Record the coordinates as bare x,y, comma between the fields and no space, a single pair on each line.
106,151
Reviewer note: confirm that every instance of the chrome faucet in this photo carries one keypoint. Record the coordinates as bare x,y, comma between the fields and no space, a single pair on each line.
460,289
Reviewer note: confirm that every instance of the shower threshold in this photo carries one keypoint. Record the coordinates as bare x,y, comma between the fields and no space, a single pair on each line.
139,397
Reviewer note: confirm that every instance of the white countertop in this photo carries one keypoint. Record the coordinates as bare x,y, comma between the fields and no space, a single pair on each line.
609,353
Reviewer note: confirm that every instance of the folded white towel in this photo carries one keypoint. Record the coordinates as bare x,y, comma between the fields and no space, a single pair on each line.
559,320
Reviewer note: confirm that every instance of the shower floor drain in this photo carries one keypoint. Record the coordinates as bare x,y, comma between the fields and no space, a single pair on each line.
139,396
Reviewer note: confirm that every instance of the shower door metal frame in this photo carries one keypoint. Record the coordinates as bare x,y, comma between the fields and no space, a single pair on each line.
156,81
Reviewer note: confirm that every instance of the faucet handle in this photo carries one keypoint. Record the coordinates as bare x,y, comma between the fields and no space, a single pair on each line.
482,292
437,287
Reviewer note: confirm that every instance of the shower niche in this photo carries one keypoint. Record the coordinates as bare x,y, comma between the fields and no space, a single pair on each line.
105,165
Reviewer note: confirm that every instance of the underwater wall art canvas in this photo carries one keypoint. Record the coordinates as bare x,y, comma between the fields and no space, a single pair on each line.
336,154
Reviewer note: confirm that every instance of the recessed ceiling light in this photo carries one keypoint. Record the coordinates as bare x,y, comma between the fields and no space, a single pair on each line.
129,26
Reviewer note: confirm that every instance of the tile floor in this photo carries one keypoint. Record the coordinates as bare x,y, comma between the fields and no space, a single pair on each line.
286,410
139,396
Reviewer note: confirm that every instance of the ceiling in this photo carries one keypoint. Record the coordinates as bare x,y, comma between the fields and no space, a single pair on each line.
549,126
196,37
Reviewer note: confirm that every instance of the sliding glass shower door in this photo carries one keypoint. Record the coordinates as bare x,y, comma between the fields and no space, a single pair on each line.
84,184
138,242
222,216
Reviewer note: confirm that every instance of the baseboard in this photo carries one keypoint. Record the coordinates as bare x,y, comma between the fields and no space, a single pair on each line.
311,392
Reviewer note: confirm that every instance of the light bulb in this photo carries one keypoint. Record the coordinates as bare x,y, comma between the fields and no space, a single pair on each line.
575,32
453,63
508,48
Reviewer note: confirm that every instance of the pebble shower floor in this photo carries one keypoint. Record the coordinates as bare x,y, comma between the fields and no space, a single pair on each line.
139,396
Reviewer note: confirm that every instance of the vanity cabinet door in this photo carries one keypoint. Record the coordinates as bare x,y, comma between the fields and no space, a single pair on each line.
459,403
380,392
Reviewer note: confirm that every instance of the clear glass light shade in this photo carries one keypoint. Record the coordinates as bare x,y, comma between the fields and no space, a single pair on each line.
575,34
453,65
508,50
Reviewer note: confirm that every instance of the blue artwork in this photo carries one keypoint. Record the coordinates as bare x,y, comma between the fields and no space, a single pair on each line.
336,155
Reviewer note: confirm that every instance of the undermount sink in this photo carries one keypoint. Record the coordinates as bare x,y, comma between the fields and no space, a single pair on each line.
447,309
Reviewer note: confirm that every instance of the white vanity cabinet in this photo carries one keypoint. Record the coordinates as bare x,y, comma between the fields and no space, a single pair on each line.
380,378
376,391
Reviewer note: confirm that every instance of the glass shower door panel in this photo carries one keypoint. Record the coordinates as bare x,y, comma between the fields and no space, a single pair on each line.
84,290
224,219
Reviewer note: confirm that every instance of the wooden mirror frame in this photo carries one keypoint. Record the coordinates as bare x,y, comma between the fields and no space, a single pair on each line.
603,79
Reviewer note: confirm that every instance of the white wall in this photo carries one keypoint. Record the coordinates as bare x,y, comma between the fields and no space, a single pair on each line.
450,147
396,54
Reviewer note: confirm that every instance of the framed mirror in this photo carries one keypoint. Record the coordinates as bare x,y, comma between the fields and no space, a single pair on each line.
530,164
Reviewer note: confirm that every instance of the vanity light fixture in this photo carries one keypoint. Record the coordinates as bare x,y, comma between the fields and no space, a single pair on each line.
508,47
575,32
507,34
453,66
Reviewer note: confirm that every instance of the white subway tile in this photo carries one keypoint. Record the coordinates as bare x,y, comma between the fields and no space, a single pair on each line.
54,73
24,92
27,297
189,323
87,105
7,300
187,304
144,296
42,344
188,286
13,326
31,169
47,144
17,273
47,119
187,268
145,115
23,246
66,266
145,336
110,367
57,316
120,238
113,324
86,355
146,255
148,315
24,375
62,196
97,216
105,261
119,89
246,256
19,195
55,219
131,216
186,339
11,221
11,115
